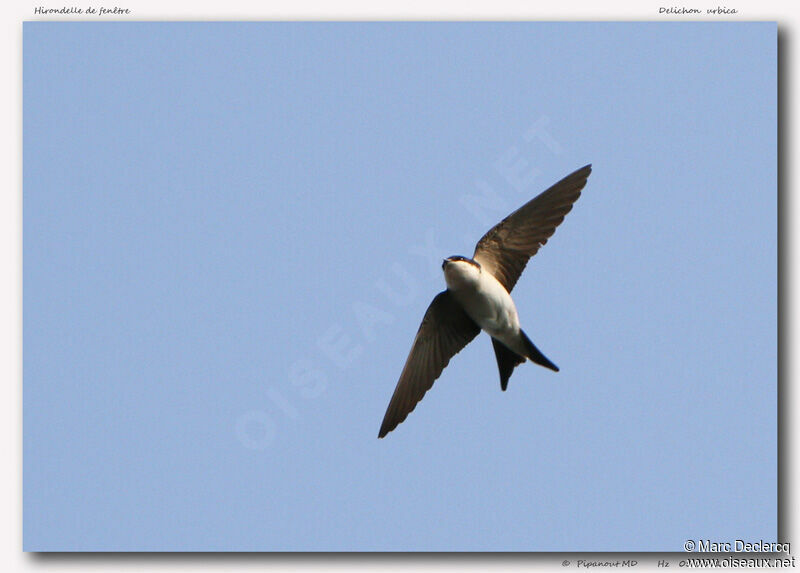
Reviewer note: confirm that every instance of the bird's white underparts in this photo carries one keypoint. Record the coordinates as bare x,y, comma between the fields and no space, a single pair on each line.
485,301
478,298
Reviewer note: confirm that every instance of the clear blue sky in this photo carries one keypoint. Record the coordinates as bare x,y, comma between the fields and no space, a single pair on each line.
232,231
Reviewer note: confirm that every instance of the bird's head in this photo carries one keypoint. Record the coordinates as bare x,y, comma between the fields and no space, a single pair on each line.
459,270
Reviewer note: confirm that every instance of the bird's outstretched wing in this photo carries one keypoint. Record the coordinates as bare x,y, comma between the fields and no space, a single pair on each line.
444,331
506,248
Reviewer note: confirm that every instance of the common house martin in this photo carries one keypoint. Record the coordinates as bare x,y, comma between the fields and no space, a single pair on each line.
477,298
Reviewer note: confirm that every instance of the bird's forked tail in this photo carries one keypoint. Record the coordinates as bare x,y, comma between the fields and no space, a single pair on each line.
535,354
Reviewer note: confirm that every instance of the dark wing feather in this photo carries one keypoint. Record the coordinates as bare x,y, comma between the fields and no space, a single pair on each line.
444,331
506,248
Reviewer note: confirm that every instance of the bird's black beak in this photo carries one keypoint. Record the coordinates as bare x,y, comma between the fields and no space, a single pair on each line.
444,263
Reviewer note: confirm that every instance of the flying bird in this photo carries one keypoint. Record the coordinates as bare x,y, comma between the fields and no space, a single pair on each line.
477,298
